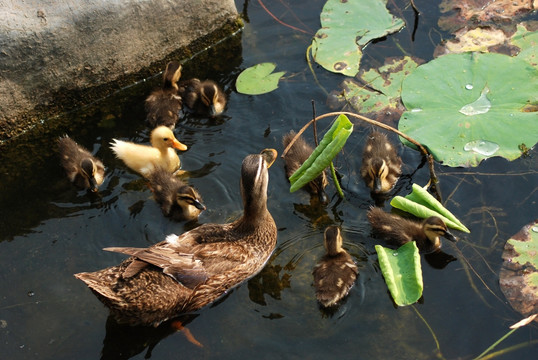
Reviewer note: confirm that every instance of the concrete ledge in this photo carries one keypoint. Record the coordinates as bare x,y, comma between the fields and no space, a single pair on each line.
56,56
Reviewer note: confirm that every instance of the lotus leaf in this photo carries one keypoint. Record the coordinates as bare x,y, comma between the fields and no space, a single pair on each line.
258,79
379,90
346,27
519,274
464,110
528,43
402,272
323,154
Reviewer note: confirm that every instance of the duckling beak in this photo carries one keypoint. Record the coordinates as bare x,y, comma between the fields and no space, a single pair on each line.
377,184
177,145
93,184
197,204
269,155
450,237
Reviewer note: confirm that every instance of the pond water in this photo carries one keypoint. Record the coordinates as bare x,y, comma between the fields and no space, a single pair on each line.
50,230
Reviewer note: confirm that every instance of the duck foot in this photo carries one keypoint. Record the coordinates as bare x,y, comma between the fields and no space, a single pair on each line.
178,326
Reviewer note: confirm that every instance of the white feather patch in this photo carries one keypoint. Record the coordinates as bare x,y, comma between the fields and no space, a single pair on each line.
172,239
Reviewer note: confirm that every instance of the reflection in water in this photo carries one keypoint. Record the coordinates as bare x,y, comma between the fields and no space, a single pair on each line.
270,282
125,341
439,259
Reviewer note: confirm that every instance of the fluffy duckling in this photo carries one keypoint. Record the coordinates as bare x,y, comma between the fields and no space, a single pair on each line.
82,168
177,200
163,105
202,97
336,272
381,165
186,272
144,159
398,231
295,157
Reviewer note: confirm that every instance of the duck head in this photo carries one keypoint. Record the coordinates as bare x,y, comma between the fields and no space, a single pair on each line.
213,98
333,240
162,138
171,75
254,181
88,170
434,227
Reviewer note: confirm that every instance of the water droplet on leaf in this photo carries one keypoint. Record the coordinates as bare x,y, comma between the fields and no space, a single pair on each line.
469,87
479,106
482,147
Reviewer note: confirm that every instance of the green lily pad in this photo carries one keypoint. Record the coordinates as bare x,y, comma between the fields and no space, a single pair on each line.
402,272
323,154
379,89
423,205
464,110
518,277
527,41
346,27
258,79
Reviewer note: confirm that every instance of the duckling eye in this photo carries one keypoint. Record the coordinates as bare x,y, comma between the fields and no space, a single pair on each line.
165,139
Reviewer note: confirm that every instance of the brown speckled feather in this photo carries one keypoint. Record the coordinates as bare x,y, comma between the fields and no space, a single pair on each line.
377,151
333,278
163,105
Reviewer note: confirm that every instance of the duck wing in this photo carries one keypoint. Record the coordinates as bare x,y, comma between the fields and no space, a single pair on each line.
182,267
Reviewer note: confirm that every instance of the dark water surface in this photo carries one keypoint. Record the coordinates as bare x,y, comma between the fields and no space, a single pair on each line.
49,230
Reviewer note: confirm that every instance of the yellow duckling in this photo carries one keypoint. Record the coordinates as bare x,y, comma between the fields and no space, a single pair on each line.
203,97
144,159
163,105
177,200
186,272
295,157
381,165
336,272
82,168
398,231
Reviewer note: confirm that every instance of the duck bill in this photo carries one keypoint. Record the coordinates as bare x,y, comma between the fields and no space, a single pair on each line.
377,184
450,237
177,145
270,156
197,204
93,184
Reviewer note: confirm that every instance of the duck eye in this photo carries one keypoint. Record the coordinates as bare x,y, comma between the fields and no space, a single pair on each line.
165,139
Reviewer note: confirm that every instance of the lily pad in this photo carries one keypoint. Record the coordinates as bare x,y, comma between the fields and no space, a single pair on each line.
258,79
423,205
464,110
323,154
378,90
402,272
346,27
518,277
527,41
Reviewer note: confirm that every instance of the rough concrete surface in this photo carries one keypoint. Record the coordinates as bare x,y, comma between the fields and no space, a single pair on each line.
53,54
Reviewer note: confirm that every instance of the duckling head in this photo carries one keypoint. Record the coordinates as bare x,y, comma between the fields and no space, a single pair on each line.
317,187
89,169
162,138
254,180
213,98
435,227
333,240
186,197
379,171
171,75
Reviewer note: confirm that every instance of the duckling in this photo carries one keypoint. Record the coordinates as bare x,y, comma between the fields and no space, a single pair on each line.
203,97
398,231
163,105
177,200
381,165
295,157
186,272
82,168
144,159
336,272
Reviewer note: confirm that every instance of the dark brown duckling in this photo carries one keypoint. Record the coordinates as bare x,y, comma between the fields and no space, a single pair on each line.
163,105
295,157
202,97
336,272
184,273
398,231
381,165
82,168
177,200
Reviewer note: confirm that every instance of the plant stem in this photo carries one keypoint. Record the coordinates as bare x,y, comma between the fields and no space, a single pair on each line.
495,344
336,182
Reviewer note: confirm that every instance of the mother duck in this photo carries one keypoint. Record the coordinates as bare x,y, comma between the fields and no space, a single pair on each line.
186,272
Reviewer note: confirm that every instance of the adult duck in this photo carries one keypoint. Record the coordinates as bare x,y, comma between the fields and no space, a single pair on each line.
186,272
